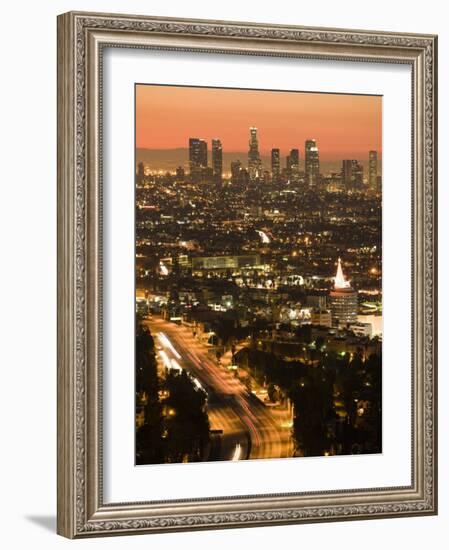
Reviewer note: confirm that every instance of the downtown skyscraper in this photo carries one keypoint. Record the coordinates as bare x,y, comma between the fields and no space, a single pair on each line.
275,164
254,161
140,176
293,162
197,157
312,163
217,160
372,170
352,174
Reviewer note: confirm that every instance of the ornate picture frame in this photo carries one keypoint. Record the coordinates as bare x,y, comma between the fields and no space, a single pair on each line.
82,38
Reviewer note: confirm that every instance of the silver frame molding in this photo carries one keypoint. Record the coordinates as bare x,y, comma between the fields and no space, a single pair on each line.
81,39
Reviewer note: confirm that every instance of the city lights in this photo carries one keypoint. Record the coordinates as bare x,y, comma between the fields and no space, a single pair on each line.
259,276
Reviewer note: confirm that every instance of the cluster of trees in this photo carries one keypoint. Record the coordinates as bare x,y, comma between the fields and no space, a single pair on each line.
186,424
228,330
175,425
337,404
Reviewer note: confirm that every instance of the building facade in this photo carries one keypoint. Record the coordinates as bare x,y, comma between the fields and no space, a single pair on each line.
343,301
321,317
372,170
312,163
254,161
293,162
352,175
140,174
197,157
275,164
225,262
217,160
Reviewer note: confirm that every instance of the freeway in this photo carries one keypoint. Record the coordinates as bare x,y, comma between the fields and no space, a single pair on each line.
250,429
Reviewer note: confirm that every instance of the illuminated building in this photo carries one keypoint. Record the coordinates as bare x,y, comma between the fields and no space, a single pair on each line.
352,174
254,162
372,179
225,262
217,160
321,317
358,176
375,321
346,173
275,164
362,329
316,300
343,300
293,162
197,157
333,182
140,172
312,163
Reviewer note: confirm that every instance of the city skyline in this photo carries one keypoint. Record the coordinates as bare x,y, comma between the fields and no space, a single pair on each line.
305,167
346,126
168,160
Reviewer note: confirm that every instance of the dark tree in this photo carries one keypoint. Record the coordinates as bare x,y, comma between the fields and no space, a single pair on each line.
313,402
149,435
186,422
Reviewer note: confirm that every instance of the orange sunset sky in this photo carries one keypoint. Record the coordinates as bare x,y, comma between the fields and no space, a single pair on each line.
345,126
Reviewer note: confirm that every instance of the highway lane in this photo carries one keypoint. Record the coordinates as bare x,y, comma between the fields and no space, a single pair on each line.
222,415
250,429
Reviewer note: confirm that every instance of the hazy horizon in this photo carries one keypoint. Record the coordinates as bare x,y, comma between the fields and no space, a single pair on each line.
168,159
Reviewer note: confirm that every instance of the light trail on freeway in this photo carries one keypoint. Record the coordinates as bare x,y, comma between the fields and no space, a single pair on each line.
250,429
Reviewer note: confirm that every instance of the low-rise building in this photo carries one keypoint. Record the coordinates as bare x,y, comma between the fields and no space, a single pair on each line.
321,317
361,329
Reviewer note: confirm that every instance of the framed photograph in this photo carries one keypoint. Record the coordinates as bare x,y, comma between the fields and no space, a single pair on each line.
246,274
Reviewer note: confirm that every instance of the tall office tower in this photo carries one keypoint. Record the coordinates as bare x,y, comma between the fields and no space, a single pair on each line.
293,161
346,174
197,157
312,163
254,162
217,160
275,164
343,300
352,174
358,176
372,171
140,172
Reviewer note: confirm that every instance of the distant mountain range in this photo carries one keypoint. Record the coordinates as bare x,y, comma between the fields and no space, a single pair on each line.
170,159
